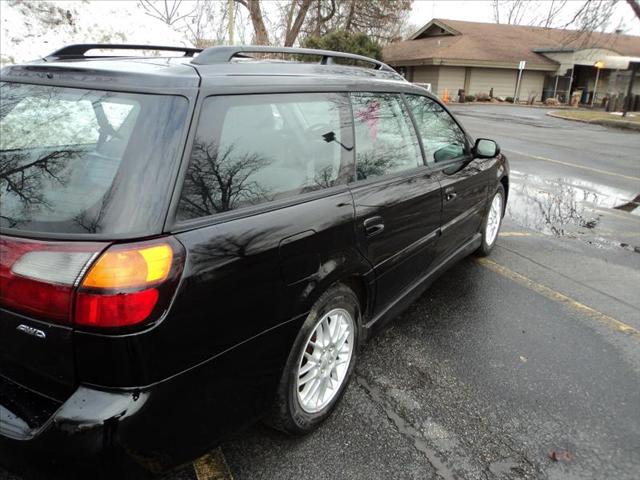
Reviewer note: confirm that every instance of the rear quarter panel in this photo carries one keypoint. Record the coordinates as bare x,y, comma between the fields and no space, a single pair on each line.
240,280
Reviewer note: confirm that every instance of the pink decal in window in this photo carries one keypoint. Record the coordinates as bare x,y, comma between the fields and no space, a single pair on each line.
370,116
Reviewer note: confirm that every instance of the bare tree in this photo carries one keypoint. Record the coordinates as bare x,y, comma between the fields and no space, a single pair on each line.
25,177
383,20
207,23
325,11
257,19
585,16
635,6
219,179
555,7
511,12
294,15
167,11
591,16
293,27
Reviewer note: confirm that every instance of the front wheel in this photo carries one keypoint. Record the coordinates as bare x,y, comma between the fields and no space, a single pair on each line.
492,222
320,363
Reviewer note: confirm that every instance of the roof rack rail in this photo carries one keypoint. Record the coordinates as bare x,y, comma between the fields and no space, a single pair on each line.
79,50
224,54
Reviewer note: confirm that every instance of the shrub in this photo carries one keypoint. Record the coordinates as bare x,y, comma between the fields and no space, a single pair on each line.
509,99
344,41
551,101
470,98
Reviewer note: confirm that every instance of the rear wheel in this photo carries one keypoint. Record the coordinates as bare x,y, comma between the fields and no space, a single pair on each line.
492,222
320,364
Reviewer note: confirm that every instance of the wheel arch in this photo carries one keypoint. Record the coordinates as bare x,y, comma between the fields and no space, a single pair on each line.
348,268
505,184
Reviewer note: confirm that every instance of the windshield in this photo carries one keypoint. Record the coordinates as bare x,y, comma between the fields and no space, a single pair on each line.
86,161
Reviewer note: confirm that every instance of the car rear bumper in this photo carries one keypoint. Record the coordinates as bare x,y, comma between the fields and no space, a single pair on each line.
89,427
157,427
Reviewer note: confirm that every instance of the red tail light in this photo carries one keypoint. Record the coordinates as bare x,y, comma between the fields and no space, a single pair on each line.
130,284
86,284
38,278
121,309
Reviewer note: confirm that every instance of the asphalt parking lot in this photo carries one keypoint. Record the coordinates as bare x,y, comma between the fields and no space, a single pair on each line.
523,365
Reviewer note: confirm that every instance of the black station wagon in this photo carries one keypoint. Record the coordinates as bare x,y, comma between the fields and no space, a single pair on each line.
193,243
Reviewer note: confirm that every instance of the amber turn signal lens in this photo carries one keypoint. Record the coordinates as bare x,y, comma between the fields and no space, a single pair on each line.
130,268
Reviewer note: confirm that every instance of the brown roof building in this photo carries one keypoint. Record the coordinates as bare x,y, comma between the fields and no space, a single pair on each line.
453,54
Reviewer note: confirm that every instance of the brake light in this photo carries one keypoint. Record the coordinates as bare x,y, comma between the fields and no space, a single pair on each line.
38,277
82,283
127,284
121,309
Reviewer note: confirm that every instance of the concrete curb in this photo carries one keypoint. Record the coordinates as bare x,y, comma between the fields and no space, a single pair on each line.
507,104
623,124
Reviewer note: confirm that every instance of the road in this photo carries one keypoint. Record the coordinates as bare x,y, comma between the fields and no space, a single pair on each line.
524,365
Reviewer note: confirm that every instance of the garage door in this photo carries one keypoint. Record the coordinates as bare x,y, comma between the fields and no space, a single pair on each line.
503,81
452,79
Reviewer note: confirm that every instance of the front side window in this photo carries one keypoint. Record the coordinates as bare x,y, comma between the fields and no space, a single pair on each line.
253,149
442,138
86,161
386,142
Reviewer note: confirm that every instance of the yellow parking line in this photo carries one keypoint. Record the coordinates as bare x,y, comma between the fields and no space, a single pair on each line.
212,466
515,234
559,297
628,177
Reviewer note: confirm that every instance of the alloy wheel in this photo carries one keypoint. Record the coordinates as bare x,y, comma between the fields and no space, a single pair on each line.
325,359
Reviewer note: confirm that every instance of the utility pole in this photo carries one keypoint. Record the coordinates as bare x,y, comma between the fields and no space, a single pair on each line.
230,11
598,66
521,66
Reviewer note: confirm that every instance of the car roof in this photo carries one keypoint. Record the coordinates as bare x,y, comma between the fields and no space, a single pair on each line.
215,69
138,74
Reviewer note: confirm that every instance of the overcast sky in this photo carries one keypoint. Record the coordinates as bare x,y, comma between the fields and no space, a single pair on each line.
481,11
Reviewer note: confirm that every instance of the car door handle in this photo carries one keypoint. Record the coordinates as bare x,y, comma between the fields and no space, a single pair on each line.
373,226
450,196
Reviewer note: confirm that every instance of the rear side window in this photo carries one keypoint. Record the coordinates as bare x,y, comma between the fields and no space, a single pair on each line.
86,161
442,138
386,142
252,149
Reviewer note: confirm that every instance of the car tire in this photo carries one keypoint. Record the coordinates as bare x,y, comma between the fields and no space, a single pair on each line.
490,228
318,361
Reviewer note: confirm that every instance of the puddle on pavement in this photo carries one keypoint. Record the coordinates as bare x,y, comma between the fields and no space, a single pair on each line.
564,206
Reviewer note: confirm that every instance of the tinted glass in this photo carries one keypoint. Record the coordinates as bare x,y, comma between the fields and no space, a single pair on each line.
442,138
253,149
86,161
385,139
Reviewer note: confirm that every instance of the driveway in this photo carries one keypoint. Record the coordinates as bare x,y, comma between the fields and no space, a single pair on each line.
523,365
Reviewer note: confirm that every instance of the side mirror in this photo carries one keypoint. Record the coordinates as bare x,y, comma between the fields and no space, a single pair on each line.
485,148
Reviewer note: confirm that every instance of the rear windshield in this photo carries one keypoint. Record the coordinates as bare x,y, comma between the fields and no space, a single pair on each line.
86,161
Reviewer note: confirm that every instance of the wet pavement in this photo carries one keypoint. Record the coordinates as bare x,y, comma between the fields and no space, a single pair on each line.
522,366
568,179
